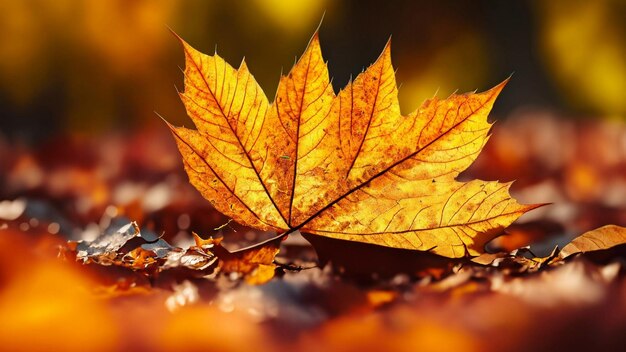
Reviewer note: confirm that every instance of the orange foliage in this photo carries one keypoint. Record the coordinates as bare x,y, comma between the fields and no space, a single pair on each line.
46,304
347,166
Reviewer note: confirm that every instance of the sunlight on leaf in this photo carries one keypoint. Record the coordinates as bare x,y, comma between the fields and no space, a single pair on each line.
603,238
347,166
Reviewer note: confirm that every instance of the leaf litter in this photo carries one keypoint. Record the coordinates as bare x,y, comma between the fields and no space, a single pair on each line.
182,289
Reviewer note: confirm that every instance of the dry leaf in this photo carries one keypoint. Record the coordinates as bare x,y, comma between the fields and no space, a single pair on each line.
347,166
255,263
488,258
129,247
104,249
603,238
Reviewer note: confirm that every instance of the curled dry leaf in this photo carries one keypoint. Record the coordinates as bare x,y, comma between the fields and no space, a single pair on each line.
255,263
600,240
346,166
129,247
104,249
603,238
521,260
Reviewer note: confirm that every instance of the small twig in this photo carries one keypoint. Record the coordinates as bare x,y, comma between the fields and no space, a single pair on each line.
293,267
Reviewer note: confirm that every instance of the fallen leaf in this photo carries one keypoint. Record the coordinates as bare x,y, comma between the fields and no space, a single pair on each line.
255,264
488,258
140,258
603,238
348,166
129,247
517,261
104,249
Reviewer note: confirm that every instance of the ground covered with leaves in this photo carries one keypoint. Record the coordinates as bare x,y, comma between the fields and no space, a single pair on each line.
98,252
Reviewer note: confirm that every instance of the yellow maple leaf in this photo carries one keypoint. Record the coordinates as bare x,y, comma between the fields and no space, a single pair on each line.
347,166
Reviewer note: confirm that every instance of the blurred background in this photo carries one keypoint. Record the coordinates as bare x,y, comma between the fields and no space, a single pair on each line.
81,80
88,66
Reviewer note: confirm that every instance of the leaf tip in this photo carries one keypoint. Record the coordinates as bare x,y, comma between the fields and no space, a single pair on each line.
243,65
388,44
173,32
536,206
387,49
500,86
493,93
525,208
178,37
384,59
164,120
319,25
314,42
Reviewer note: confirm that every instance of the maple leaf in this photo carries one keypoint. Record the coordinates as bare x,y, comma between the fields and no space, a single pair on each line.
347,166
